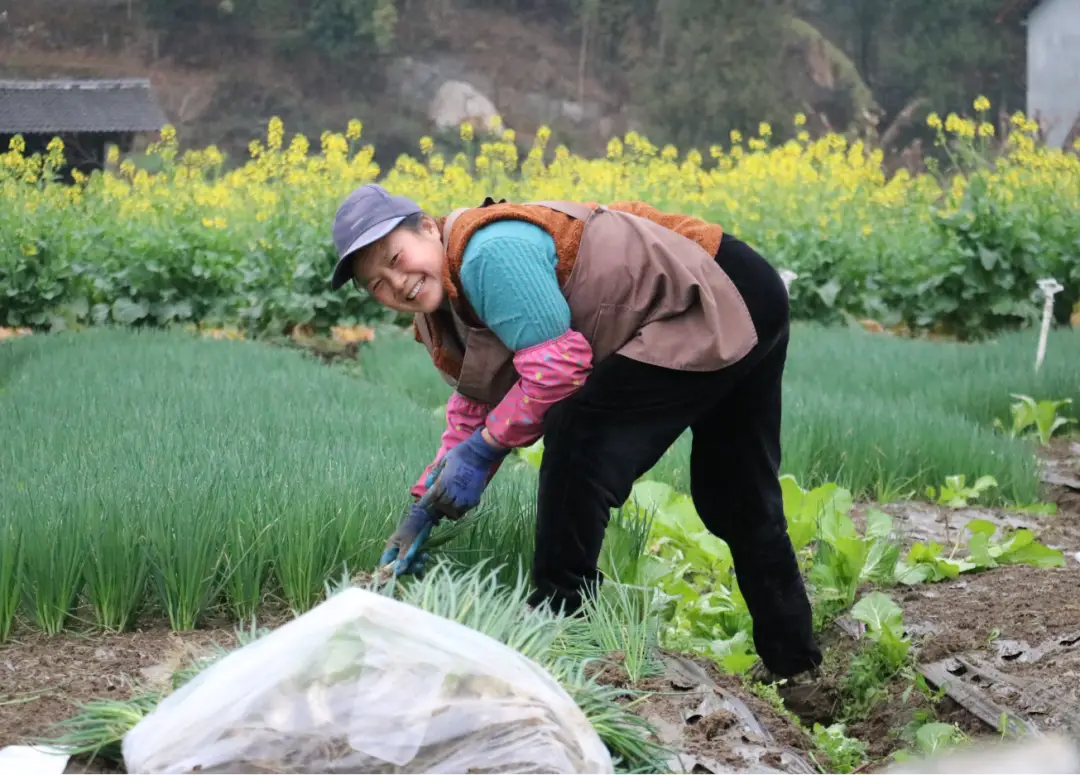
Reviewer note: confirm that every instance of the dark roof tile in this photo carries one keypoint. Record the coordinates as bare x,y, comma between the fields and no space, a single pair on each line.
29,107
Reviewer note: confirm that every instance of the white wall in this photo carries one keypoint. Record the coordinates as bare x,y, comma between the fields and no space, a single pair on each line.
1053,64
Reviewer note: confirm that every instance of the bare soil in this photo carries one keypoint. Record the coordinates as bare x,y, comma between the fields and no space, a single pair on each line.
45,678
978,611
1016,603
712,721
1021,620
883,727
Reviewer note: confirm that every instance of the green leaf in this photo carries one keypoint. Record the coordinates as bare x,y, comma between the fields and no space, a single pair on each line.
936,737
979,547
878,524
981,527
911,575
826,579
126,311
736,654
79,307
793,494
878,611
824,509
828,292
1022,549
651,570
988,257
801,532
176,310
836,525
881,562
532,454
1043,509
651,496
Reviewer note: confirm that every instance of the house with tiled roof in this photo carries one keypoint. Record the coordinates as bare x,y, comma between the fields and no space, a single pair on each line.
1053,64
88,115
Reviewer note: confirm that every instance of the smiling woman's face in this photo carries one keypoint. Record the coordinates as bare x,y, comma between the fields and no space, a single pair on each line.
404,269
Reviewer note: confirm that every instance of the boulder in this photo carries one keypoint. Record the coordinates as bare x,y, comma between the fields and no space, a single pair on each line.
458,101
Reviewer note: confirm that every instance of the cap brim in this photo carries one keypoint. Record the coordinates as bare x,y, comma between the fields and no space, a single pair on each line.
343,270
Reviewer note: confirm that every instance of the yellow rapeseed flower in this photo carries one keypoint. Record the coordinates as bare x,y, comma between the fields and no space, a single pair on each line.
275,134
827,187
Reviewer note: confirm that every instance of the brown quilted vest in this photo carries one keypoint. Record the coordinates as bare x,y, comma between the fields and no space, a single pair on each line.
640,283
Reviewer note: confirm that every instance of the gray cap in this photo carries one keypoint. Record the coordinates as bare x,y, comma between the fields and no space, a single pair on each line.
367,214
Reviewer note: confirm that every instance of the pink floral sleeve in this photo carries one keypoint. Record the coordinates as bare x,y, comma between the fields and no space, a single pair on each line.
463,417
550,372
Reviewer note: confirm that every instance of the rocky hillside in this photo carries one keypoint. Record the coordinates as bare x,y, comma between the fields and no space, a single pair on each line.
226,91
222,82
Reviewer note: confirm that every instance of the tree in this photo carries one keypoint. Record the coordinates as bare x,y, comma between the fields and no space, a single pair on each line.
342,28
715,67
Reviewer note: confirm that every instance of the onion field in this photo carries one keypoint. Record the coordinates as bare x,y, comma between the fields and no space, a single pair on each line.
154,472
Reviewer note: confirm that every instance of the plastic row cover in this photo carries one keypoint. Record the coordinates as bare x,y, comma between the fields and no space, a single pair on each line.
364,683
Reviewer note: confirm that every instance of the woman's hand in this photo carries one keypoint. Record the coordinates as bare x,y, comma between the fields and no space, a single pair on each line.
403,548
491,440
459,479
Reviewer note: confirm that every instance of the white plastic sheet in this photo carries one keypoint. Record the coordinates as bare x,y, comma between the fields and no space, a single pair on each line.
364,683
1046,754
32,760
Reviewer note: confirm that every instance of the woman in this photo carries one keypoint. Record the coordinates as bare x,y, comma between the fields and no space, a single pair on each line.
608,330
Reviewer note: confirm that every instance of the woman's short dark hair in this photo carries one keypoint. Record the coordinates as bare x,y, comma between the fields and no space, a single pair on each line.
412,222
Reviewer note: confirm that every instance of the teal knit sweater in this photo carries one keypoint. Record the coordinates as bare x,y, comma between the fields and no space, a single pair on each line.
508,275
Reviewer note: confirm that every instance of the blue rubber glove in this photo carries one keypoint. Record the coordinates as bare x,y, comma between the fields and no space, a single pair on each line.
458,480
405,544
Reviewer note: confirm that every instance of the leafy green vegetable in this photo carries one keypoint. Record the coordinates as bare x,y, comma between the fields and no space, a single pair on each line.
1038,417
933,738
845,753
819,510
955,494
926,562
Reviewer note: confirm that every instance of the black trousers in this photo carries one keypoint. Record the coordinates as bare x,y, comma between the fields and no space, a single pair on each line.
627,414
